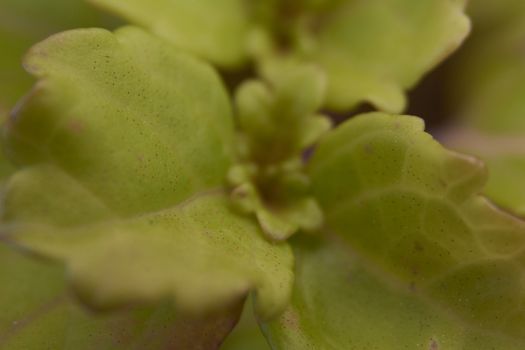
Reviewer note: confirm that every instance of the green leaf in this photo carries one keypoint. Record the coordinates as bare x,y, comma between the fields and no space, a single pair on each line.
24,22
38,313
277,121
123,114
123,173
486,89
247,334
371,50
349,39
28,290
505,159
412,213
212,29
340,302
279,116
199,253
489,76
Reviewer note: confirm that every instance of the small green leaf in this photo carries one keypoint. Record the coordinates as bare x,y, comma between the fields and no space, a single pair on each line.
123,173
277,122
212,29
412,211
340,302
278,117
38,313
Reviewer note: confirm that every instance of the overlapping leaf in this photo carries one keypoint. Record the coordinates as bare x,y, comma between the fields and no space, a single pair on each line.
24,22
213,29
423,240
277,122
39,313
504,154
247,334
489,73
371,50
125,143
340,303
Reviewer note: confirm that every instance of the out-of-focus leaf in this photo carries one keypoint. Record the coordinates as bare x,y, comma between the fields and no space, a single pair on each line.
29,291
212,29
199,253
488,80
410,210
6,169
487,88
504,155
491,15
25,22
373,50
339,302
38,313
247,334
123,167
